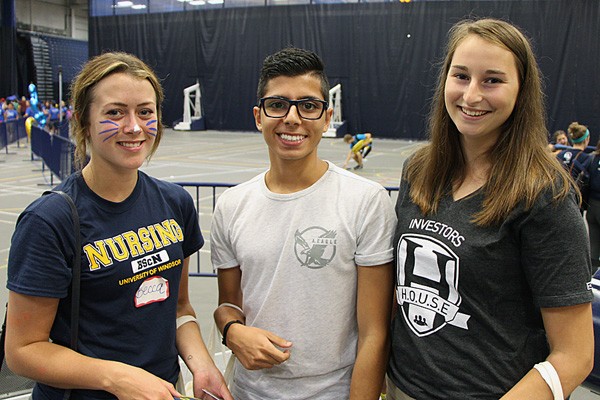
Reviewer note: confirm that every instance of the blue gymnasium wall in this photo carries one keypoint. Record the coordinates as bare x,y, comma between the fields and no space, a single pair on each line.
387,76
63,53
69,55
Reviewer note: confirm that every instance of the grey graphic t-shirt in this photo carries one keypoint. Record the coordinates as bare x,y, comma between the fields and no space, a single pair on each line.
468,323
298,254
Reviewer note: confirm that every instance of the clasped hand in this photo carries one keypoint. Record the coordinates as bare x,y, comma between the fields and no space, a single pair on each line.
257,348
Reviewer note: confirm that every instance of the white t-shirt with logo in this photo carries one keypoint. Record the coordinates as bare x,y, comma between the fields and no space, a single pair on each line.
298,254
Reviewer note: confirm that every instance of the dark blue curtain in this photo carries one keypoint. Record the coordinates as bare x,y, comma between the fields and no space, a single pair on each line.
8,52
384,54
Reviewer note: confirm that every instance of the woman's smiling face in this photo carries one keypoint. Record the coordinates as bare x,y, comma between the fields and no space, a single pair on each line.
481,89
123,121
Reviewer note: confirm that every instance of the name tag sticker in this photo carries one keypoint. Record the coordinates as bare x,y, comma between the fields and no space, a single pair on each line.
152,290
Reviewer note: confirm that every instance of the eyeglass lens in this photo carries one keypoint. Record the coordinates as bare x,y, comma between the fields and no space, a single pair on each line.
307,109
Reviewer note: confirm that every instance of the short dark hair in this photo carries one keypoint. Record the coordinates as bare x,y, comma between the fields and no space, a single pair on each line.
292,61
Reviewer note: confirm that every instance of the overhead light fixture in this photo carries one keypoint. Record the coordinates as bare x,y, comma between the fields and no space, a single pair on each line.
197,2
129,4
216,1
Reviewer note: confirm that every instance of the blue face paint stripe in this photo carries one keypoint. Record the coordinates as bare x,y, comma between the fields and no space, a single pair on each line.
152,134
108,137
151,122
108,130
106,121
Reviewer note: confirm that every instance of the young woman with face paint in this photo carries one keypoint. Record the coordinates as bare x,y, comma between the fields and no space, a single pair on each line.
137,234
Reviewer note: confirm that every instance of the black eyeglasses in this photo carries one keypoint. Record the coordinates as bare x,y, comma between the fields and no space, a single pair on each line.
279,107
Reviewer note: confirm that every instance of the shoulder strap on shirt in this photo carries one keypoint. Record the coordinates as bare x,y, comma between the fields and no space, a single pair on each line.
576,162
76,269
76,275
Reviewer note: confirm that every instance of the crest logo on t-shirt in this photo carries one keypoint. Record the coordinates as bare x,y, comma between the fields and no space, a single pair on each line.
315,247
427,290
567,157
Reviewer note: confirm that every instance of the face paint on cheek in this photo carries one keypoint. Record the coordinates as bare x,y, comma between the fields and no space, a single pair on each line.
113,131
152,126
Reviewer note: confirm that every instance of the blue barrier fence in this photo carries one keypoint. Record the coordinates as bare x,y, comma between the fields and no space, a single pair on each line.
11,132
205,197
55,150
63,128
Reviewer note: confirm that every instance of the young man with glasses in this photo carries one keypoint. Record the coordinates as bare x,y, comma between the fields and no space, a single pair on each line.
304,251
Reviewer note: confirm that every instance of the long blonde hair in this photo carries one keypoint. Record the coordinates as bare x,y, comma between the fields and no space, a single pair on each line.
521,165
82,95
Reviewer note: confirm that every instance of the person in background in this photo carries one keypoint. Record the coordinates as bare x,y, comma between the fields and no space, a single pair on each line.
559,137
593,207
28,110
575,159
137,234
360,146
46,106
15,103
10,118
53,118
65,112
303,255
22,106
45,109
487,306
10,114
2,109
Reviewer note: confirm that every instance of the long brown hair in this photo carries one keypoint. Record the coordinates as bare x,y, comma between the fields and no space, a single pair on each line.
82,95
521,165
